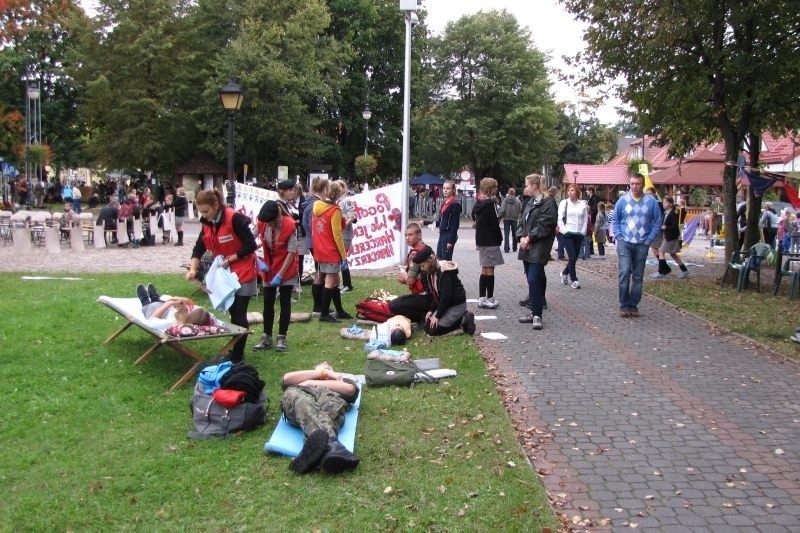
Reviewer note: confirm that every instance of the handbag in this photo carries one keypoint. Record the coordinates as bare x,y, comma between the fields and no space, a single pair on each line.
383,373
212,419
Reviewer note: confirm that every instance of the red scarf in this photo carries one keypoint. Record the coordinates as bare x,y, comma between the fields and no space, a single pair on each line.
446,204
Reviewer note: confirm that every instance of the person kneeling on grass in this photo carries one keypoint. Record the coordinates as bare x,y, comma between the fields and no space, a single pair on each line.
448,299
161,313
316,401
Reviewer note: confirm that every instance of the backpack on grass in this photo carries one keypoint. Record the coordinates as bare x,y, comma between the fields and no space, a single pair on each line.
373,309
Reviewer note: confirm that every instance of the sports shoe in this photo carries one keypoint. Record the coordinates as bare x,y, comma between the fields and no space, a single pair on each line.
624,313
337,458
141,292
468,323
526,302
280,344
656,275
564,279
313,449
482,302
537,322
153,293
344,290
491,303
633,313
264,344
576,284
328,318
343,315
683,274
527,319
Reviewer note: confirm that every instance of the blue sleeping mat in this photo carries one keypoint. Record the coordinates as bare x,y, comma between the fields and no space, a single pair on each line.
288,439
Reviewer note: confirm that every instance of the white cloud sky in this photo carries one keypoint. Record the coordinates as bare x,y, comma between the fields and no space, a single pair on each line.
553,30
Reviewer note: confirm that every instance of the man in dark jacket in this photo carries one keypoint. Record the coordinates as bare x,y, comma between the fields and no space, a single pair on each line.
536,230
448,299
108,219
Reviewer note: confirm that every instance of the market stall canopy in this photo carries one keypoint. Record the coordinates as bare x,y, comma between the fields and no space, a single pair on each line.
427,179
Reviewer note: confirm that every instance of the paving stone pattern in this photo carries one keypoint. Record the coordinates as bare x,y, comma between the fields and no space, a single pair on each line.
659,422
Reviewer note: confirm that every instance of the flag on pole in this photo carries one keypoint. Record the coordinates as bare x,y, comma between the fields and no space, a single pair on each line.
644,170
690,229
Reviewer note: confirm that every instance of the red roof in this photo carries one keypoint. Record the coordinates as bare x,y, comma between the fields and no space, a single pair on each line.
596,174
779,150
703,173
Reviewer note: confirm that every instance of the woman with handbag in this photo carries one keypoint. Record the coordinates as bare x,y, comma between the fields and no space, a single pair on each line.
227,233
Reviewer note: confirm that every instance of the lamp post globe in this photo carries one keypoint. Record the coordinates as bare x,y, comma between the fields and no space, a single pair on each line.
575,177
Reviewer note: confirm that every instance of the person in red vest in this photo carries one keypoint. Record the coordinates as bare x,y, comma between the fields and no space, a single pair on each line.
227,233
279,244
329,251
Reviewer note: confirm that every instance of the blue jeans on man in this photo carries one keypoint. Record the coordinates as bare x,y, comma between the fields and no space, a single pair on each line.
631,261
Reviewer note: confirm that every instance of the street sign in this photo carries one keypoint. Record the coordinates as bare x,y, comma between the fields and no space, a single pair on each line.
9,169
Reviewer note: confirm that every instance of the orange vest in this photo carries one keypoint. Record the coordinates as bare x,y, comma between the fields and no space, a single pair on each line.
223,241
275,254
325,249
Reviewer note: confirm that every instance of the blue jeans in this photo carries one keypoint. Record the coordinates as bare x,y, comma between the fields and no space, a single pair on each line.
560,247
631,259
572,243
441,249
537,283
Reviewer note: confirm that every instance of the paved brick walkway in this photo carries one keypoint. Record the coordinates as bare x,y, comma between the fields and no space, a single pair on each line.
659,422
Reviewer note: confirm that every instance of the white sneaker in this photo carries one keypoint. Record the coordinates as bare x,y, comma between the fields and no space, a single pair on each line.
564,279
482,302
683,274
537,322
491,303
576,284
656,275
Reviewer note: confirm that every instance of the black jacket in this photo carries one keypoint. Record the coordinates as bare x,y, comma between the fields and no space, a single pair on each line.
445,288
487,226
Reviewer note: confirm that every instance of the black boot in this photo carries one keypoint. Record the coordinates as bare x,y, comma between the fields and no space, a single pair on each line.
180,239
313,450
153,293
337,458
141,292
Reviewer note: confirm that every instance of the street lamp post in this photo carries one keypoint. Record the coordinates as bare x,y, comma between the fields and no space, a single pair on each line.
409,8
231,95
575,177
33,136
366,114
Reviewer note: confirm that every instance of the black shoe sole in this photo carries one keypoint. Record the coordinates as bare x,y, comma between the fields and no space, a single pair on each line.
313,450
336,464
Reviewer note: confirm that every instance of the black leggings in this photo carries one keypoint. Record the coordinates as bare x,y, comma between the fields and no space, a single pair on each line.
286,308
238,313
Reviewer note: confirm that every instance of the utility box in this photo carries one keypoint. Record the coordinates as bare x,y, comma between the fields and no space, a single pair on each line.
408,5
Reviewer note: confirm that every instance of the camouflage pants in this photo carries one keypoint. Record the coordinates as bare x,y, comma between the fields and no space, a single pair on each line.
313,408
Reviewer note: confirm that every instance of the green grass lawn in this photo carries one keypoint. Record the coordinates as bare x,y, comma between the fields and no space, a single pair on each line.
91,442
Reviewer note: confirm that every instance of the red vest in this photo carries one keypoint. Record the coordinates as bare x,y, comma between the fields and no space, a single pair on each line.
325,249
223,241
417,287
275,254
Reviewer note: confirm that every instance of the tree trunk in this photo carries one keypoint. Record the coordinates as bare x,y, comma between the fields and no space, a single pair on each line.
733,144
753,233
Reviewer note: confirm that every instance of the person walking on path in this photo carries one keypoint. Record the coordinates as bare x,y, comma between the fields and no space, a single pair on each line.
227,233
537,231
488,239
448,222
636,223
601,230
573,219
671,243
180,205
510,210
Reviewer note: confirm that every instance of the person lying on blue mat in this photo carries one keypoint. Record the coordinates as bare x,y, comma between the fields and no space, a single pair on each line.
316,401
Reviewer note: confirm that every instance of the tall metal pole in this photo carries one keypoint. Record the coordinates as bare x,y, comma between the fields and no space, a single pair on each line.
366,137
231,178
406,132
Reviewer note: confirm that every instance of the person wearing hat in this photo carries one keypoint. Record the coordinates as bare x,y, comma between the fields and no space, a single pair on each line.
279,244
286,196
448,310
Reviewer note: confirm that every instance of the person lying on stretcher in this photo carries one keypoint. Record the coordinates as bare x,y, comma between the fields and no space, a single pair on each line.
162,313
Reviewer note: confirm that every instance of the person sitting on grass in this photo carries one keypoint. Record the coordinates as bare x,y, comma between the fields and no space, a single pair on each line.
448,310
316,401
161,314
